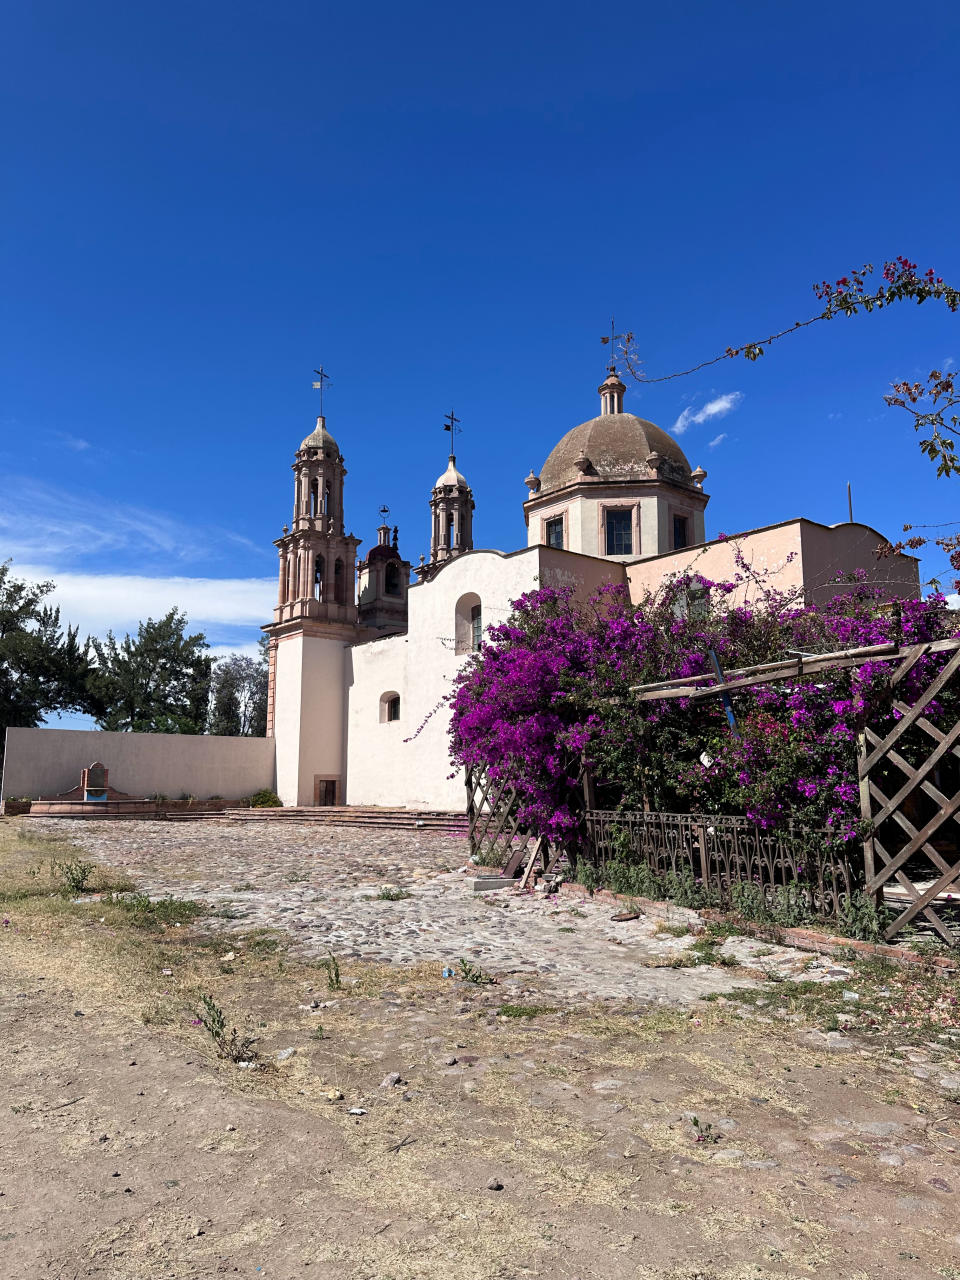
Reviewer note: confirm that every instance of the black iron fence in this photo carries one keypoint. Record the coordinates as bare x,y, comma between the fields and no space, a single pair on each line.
724,857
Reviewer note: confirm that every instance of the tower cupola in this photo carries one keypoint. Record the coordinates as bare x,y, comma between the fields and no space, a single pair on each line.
611,391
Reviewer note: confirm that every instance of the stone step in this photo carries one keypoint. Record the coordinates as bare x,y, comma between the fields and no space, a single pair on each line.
454,824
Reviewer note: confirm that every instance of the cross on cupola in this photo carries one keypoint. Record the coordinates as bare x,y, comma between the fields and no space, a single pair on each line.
612,389
322,380
452,424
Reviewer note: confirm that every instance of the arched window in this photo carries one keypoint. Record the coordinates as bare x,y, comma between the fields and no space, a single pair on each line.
389,707
468,624
326,499
391,579
450,542
318,568
314,496
339,588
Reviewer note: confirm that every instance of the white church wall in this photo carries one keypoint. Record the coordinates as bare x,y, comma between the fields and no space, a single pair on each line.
47,762
406,762
289,675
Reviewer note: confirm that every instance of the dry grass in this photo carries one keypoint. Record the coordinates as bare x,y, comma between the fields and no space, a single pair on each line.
590,1173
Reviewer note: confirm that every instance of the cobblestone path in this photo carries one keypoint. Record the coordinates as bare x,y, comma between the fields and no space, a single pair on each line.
320,885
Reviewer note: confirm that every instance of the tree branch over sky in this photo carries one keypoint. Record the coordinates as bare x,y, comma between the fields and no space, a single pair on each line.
848,296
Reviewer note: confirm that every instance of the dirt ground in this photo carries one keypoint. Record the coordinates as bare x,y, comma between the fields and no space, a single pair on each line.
516,1141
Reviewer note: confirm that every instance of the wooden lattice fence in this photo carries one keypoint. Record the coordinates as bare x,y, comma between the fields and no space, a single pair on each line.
498,837
910,793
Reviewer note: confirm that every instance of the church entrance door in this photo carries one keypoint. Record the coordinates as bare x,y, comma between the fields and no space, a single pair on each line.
324,791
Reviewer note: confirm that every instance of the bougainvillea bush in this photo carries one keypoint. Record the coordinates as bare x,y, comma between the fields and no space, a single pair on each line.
549,691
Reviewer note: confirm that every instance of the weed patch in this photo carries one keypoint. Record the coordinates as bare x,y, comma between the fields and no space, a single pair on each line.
231,1045
525,1010
390,893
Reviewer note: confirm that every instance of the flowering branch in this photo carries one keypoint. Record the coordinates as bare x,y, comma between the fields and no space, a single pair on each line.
848,296
939,447
845,296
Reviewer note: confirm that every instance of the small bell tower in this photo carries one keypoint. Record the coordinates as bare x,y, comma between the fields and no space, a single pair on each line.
383,580
451,511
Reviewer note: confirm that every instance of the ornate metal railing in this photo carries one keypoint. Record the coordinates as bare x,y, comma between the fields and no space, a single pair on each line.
718,852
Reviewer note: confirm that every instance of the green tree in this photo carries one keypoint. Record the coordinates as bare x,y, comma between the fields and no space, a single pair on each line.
224,700
42,667
238,704
158,682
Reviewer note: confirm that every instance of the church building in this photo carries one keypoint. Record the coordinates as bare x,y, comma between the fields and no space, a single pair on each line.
362,661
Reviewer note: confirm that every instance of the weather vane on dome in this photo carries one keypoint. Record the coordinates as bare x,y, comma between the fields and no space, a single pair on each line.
452,424
611,340
318,386
383,512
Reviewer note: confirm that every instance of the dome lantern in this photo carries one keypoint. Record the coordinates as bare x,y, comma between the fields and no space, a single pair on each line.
611,391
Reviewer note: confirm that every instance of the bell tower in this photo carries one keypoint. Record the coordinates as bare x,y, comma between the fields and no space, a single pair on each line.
314,621
317,559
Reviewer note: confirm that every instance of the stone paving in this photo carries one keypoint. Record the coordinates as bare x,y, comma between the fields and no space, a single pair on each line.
321,886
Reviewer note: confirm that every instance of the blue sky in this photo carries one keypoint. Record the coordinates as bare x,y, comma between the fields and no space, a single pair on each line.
444,205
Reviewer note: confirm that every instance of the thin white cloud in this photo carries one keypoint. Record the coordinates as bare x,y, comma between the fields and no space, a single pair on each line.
75,528
717,440
102,602
76,443
719,407
948,363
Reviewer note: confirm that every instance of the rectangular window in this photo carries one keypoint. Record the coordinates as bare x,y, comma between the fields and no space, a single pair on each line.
393,709
619,533
679,532
476,627
554,532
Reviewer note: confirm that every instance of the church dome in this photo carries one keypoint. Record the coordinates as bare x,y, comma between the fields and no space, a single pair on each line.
320,438
613,446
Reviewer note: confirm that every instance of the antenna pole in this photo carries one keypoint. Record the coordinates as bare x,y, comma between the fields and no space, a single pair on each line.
850,501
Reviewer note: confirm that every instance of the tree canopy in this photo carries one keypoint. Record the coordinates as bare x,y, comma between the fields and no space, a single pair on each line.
156,682
238,700
42,667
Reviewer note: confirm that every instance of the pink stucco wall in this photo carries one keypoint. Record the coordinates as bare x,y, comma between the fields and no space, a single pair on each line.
797,553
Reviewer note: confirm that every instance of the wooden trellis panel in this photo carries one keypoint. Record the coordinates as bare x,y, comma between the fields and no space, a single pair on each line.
495,827
910,792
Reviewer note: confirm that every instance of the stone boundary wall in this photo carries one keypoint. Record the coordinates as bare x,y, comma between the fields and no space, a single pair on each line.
48,762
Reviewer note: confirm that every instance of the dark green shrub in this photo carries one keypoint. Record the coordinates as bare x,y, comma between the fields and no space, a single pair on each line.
264,799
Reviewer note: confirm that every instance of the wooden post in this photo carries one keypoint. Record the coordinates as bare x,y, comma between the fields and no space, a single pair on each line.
869,853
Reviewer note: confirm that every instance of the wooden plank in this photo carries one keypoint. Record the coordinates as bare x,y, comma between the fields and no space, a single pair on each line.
913,656
528,869
789,665
869,856
766,673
